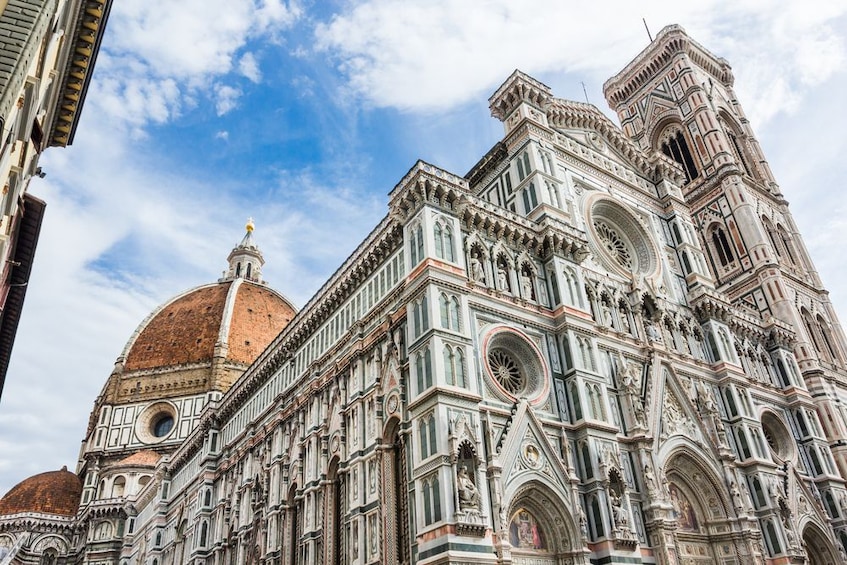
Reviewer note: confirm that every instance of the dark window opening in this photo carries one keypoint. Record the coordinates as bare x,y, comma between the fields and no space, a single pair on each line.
677,149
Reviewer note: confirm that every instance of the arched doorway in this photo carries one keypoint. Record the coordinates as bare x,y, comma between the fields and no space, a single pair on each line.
540,529
819,549
698,500
395,499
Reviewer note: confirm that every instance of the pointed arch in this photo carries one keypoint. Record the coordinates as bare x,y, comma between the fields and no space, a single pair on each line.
820,549
544,504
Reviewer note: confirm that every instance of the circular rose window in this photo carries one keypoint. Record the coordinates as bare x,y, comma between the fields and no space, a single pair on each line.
156,422
621,239
506,371
778,437
514,366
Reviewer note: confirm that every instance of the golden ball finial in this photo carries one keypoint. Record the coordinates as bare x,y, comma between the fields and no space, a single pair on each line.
250,226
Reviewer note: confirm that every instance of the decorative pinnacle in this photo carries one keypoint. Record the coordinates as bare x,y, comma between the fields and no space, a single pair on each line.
250,225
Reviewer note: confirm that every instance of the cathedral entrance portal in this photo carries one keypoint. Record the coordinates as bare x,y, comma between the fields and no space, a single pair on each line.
540,530
698,507
819,550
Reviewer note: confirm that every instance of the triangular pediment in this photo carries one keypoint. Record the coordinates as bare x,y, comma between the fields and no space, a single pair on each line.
527,450
674,414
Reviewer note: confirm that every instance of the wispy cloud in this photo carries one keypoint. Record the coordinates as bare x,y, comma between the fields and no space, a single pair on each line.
433,55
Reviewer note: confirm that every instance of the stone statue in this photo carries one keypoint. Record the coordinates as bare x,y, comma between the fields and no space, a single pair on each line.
618,511
526,287
477,272
649,480
468,493
503,278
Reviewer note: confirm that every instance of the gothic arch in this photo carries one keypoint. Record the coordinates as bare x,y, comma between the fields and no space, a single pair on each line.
699,499
395,511
819,548
545,503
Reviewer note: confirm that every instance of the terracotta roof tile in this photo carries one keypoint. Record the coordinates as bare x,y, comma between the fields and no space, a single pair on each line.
143,458
54,492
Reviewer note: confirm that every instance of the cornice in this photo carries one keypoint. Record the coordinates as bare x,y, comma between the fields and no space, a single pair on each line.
84,43
643,69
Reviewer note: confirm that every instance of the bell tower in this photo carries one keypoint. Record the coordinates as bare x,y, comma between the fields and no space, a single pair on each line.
676,99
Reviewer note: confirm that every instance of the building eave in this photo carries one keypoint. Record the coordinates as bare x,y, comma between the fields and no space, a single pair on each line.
88,31
28,232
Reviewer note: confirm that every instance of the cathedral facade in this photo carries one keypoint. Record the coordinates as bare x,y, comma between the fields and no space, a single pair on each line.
602,344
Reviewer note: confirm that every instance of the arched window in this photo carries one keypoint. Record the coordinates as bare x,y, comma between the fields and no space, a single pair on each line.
454,369
577,406
722,246
739,154
49,557
772,235
428,440
758,493
596,518
420,316
118,487
677,149
786,244
826,336
416,244
772,539
249,270
207,499
204,533
423,368
449,310
530,198
431,500
585,454
238,269
443,241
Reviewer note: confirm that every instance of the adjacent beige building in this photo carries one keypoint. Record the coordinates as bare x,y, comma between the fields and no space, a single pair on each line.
47,54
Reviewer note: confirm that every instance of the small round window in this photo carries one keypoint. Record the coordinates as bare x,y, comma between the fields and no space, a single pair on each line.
163,425
514,366
156,422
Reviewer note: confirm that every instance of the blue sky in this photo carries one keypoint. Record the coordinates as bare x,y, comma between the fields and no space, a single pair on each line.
304,115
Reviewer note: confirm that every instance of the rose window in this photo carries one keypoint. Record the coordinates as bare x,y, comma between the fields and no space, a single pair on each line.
613,244
506,371
620,240
514,367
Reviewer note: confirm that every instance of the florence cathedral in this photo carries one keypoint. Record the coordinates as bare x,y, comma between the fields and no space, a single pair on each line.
602,344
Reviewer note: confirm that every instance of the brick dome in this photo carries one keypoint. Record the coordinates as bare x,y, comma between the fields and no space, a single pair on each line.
54,492
233,320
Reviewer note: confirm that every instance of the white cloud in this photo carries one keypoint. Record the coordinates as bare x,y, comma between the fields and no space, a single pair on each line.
249,67
434,54
158,54
223,134
226,98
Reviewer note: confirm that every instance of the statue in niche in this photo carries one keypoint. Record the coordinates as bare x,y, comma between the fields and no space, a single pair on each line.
649,480
630,386
625,325
477,271
619,513
527,290
468,493
652,333
503,277
607,313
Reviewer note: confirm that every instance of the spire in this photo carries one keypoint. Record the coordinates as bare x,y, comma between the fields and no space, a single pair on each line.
245,259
